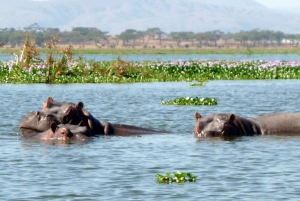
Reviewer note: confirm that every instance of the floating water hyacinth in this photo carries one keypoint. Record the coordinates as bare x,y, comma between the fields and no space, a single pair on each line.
191,101
80,71
197,84
177,177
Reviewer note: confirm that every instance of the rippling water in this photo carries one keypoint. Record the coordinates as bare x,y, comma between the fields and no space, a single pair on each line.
124,168
176,57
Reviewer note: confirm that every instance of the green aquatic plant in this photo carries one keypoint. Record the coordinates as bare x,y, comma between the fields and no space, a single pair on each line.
177,177
65,69
191,101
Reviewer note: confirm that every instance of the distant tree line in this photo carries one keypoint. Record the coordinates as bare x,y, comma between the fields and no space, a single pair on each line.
131,37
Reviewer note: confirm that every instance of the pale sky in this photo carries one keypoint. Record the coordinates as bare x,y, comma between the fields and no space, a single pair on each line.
268,3
280,3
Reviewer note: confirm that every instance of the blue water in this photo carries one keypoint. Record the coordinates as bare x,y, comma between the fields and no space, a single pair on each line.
176,57
124,168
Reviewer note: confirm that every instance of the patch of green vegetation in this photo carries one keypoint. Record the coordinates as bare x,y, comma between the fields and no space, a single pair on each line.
191,101
60,70
59,67
197,84
177,177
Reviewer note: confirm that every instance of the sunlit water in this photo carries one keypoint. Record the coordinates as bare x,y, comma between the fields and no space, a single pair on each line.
124,168
176,57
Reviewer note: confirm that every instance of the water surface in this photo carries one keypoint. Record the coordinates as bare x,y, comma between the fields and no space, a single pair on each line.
176,57
124,168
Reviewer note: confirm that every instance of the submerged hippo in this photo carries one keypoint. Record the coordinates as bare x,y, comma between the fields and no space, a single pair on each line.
62,113
70,113
229,125
62,133
37,122
67,112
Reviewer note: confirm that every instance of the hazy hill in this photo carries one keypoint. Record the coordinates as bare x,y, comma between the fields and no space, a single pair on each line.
115,16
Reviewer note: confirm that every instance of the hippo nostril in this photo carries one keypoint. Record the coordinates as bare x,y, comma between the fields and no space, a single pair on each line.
70,135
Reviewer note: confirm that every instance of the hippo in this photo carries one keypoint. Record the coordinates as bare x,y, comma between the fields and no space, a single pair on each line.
76,111
67,112
36,122
63,133
128,130
230,125
70,113
62,113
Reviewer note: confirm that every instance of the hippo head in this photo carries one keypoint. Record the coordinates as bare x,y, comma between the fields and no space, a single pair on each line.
67,132
57,133
64,112
35,122
215,125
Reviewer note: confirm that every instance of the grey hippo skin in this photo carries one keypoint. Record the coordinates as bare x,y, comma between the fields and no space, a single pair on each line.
70,113
64,133
230,125
62,113
80,114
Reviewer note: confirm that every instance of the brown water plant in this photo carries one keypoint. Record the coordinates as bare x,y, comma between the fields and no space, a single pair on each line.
56,66
28,53
122,68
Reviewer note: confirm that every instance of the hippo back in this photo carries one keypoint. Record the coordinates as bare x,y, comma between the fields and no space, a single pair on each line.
279,123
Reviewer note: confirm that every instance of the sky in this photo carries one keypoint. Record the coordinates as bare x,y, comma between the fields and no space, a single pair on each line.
268,3
277,4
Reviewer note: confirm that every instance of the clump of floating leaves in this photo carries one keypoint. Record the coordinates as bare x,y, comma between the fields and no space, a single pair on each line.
191,101
177,177
197,84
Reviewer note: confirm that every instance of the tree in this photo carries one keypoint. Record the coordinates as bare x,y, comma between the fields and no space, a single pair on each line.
16,38
127,35
151,33
215,36
278,36
179,36
159,34
241,37
199,37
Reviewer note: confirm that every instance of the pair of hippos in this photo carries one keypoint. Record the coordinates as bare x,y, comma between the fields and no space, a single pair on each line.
67,121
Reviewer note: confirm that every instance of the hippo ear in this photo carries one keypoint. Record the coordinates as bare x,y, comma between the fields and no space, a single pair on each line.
49,99
197,116
82,123
53,127
79,106
69,110
232,118
47,103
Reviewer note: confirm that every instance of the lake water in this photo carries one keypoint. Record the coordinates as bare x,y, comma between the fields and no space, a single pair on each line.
124,168
176,57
